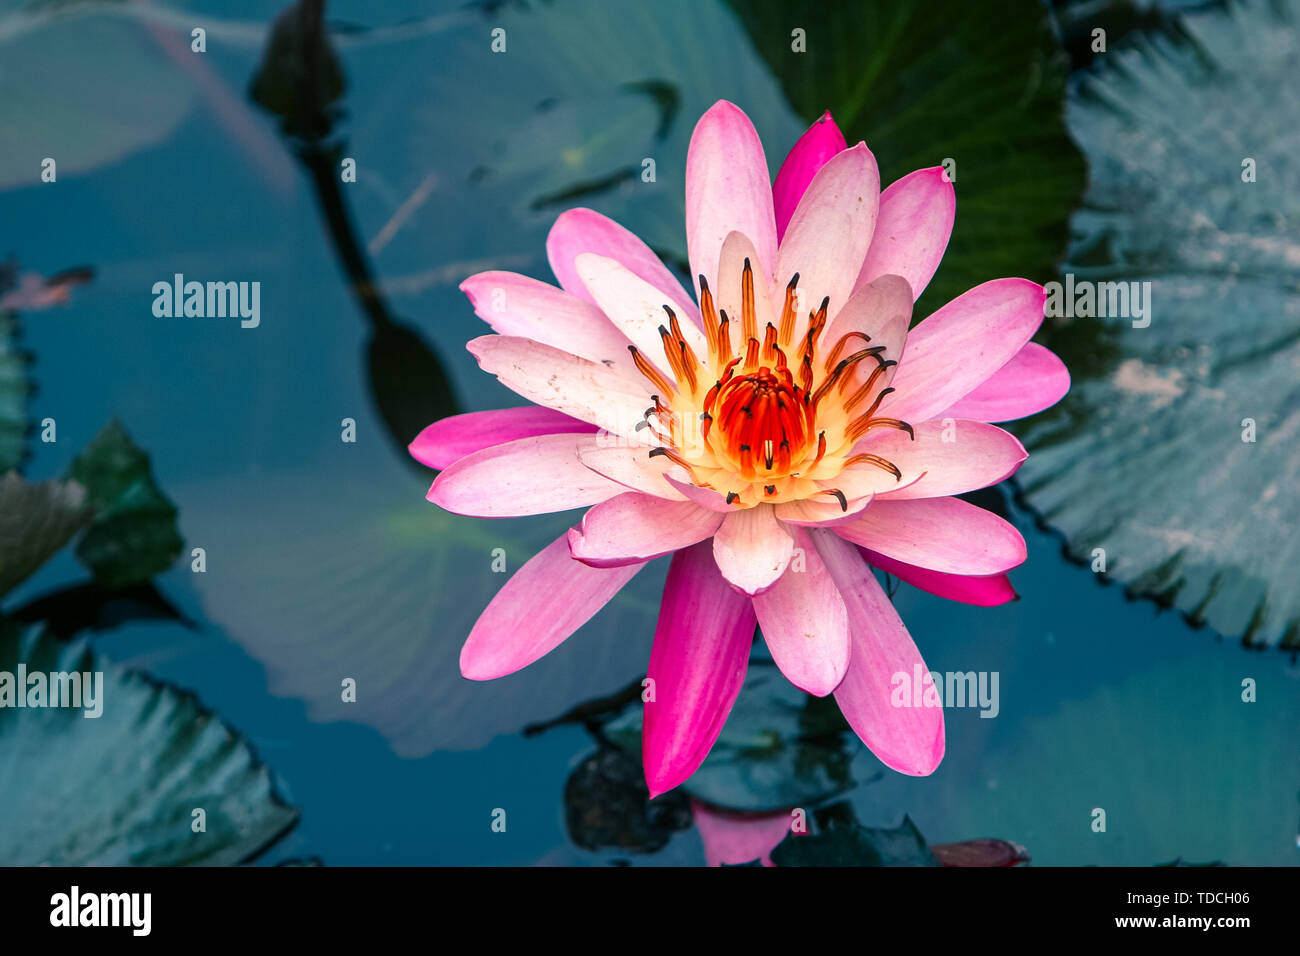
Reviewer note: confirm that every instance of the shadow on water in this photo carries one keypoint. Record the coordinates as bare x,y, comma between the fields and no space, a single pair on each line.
301,82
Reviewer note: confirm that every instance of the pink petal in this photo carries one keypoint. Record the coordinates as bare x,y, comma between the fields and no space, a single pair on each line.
1033,380
548,376
584,230
908,739
450,439
942,534
916,217
528,476
987,591
813,150
731,837
544,602
728,189
830,231
805,624
960,346
950,457
635,309
882,310
634,528
697,667
752,548
632,467
704,497
517,305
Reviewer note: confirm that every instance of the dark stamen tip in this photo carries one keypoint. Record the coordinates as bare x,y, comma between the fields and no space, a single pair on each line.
731,496
844,502
704,283
794,281
656,452
747,266
770,489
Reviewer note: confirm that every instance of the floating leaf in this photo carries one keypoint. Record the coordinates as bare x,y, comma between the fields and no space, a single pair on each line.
133,535
779,748
1177,452
36,521
121,788
922,83
607,806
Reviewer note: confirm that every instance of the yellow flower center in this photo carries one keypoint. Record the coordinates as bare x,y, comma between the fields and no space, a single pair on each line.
781,418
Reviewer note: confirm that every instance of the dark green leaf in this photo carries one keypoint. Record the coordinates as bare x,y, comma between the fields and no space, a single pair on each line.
921,83
846,843
36,520
134,534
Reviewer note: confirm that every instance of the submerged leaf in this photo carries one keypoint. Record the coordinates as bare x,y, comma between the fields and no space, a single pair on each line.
105,90
360,577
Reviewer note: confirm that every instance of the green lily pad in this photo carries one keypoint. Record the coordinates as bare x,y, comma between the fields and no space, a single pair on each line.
121,789
921,83
1177,451
779,748
133,535
36,521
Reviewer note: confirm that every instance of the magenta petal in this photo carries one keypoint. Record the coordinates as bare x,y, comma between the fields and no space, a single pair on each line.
450,439
545,601
584,230
697,667
982,591
814,148
1033,380
912,230
909,739
731,837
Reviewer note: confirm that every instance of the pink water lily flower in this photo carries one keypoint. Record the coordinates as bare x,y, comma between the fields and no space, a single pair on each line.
778,433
